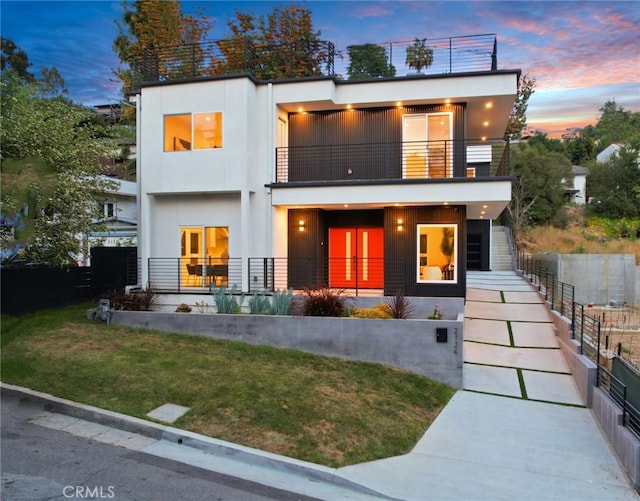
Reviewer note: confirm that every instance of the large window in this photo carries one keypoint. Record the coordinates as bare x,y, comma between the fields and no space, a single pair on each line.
437,253
205,255
197,131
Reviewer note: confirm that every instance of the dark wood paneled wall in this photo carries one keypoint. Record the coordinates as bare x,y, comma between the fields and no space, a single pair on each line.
404,244
381,128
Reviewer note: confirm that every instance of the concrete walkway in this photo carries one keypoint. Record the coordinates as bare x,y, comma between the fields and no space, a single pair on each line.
519,429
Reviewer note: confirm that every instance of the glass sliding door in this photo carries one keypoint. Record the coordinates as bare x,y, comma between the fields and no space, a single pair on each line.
427,146
204,256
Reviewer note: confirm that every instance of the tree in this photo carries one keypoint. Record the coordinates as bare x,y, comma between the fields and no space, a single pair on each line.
284,45
538,192
50,150
518,117
157,33
617,125
419,55
368,61
51,83
14,58
614,187
580,145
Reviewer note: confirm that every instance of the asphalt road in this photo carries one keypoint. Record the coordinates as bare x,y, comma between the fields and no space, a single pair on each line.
39,463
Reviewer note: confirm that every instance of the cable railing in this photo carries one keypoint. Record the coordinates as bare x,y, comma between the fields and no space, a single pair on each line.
392,160
587,330
303,58
359,275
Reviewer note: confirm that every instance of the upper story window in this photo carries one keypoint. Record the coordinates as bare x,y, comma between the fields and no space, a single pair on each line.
192,131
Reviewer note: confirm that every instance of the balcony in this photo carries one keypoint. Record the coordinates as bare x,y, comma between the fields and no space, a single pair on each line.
197,276
345,163
462,54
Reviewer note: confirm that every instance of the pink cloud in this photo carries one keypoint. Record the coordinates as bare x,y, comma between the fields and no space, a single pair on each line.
371,10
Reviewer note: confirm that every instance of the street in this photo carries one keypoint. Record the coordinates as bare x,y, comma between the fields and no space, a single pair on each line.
39,463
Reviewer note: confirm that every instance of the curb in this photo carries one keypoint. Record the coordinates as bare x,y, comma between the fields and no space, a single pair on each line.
196,441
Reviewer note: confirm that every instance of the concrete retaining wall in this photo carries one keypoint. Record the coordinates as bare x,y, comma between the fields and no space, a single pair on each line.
626,445
405,344
597,278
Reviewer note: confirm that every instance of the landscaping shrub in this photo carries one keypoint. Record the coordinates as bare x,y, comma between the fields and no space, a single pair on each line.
259,304
281,302
226,303
321,302
382,311
401,307
133,301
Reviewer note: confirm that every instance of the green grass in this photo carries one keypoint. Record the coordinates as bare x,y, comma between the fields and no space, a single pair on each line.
318,409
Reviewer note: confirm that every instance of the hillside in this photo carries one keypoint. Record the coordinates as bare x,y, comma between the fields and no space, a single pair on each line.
575,233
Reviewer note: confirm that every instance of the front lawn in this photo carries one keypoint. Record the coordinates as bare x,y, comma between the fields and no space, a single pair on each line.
318,409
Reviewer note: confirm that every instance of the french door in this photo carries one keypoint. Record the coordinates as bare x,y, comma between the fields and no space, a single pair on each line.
356,258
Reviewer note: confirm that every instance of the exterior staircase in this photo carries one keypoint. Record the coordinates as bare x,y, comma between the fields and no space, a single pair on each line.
502,258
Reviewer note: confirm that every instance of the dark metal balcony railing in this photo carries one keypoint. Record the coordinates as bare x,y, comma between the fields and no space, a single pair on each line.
191,274
460,54
406,160
176,275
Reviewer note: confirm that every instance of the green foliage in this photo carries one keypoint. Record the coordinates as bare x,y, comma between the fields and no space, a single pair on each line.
400,306
321,302
284,45
617,228
50,150
133,301
617,125
281,302
419,55
542,176
379,311
259,304
614,187
437,314
368,61
15,59
227,303
518,117
147,25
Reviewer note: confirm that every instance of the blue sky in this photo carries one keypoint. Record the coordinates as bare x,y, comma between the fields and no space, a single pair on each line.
582,53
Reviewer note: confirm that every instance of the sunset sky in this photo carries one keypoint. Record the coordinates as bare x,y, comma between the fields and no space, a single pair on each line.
582,53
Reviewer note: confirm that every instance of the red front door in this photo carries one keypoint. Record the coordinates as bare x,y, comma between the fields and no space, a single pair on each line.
356,258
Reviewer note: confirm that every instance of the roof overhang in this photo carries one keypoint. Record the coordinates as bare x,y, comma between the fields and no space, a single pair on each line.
484,198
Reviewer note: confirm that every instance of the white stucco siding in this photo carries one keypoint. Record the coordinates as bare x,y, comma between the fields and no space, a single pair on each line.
170,213
208,170
174,212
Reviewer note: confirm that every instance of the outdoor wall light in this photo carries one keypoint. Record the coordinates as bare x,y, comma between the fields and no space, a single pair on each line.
301,225
400,223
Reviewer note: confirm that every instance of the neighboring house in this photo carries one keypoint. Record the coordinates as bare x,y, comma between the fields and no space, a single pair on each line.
120,216
578,193
608,153
388,185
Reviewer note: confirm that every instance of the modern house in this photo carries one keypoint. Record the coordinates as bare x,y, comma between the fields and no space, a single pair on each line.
375,186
